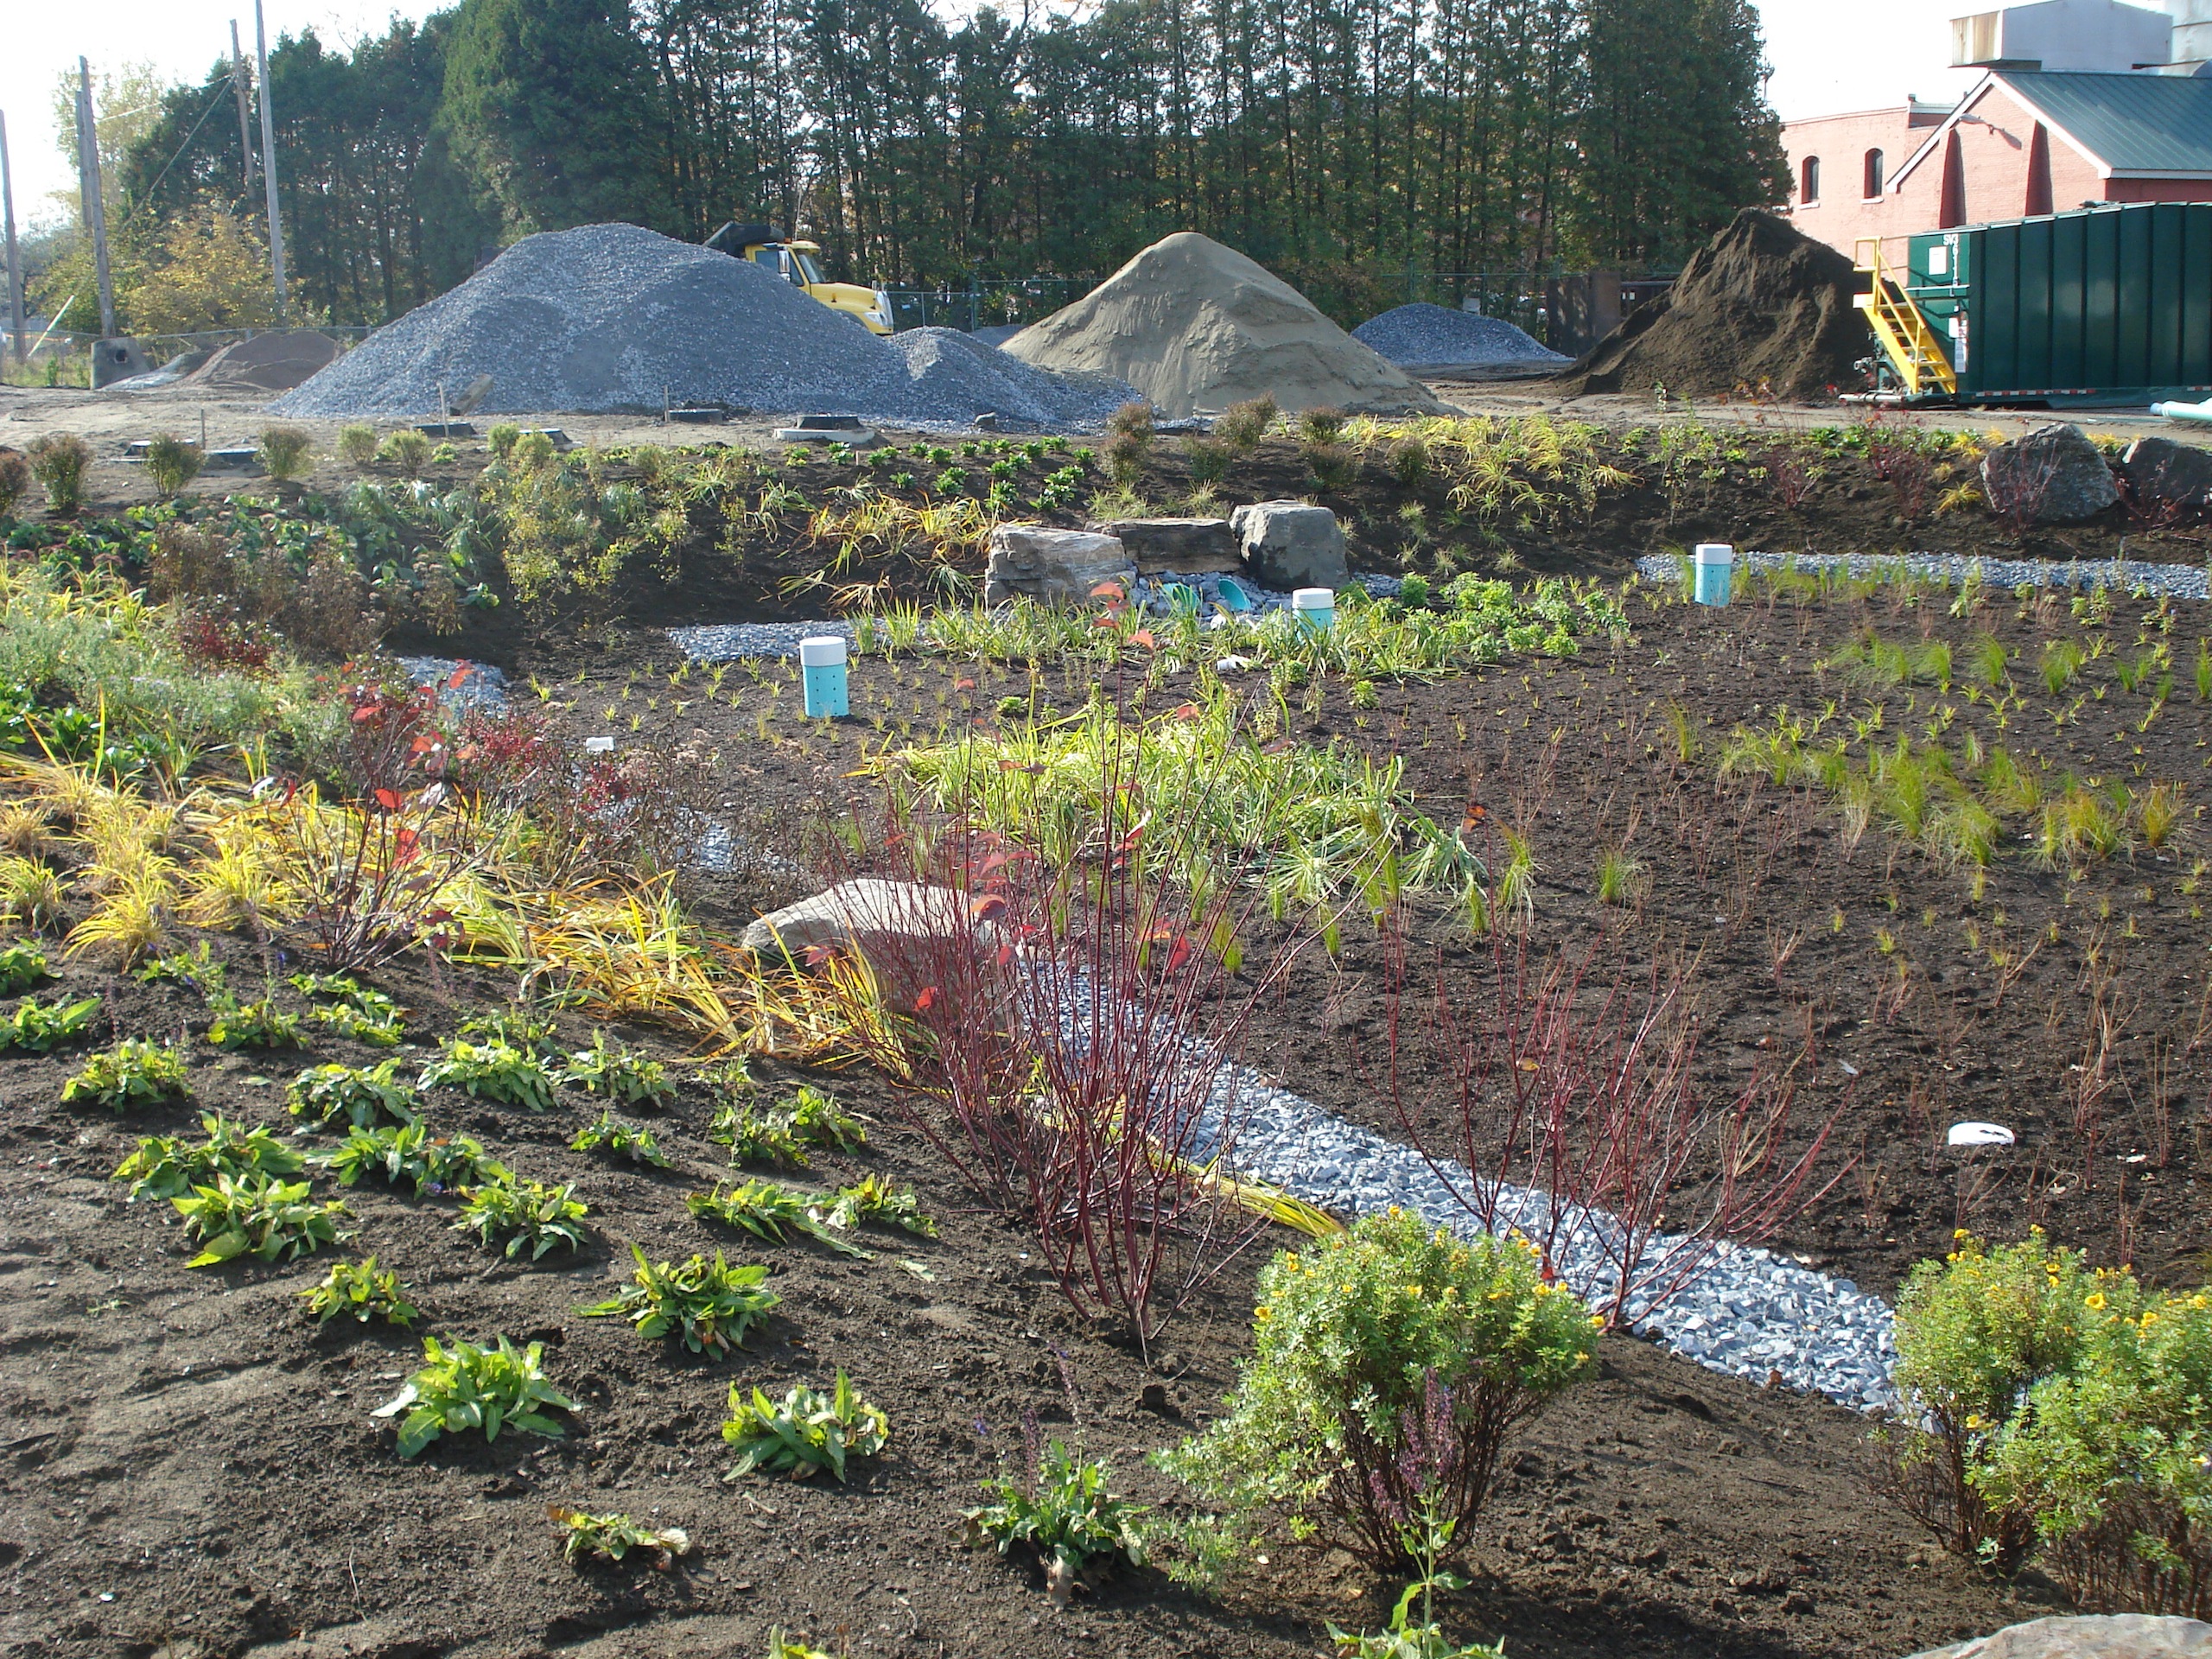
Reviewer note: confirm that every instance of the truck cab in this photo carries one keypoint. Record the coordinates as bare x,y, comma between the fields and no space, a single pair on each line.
798,263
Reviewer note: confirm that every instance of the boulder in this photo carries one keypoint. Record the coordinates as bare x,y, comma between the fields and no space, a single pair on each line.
2115,1635
1184,546
2159,473
1059,566
860,912
2054,476
1289,544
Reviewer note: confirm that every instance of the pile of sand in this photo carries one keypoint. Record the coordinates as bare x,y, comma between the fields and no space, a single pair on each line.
1760,302
270,362
1196,327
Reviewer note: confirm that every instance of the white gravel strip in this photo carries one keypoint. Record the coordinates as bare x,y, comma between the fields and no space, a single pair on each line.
2121,576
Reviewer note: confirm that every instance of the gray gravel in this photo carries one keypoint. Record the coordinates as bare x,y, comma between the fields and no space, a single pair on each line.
1424,336
484,686
727,642
610,318
957,376
2121,576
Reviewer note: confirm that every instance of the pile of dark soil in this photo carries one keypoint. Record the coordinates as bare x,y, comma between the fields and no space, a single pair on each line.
1761,305
273,362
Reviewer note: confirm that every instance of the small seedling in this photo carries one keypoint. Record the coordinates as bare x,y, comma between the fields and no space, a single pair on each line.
783,1645
623,1075
356,1011
874,1198
364,1096
22,964
464,1387
711,1304
782,1132
517,1027
523,1213
807,1434
496,1070
362,1290
1069,1519
137,1072
629,1140
767,1210
197,968
37,1026
408,1154
611,1537
168,1166
256,1214
259,1024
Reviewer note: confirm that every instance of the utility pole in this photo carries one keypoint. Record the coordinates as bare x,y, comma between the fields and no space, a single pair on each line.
268,158
88,185
15,263
245,121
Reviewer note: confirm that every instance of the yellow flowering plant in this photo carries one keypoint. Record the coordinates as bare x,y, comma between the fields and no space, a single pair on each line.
1390,1365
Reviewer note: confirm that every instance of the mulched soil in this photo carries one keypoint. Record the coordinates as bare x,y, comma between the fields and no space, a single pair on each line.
190,1468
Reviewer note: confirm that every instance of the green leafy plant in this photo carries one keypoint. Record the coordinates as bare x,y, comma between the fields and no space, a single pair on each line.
612,1537
710,1304
359,1011
808,1433
1068,1517
251,1214
198,968
769,1211
36,1027
623,1075
357,444
463,1387
1350,1335
530,1215
364,1096
874,1198
629,1141
259,1024
495,1070
284,452
22,964
137,1072
169,1167
171,462
410,1152
784,1645
60,461
362,1291
782,1132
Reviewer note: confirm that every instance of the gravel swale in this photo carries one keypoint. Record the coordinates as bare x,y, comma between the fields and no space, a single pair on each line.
2121,575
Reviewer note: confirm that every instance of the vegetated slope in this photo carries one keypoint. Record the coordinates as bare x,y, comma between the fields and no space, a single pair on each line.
1424,336
1196,327
1760,303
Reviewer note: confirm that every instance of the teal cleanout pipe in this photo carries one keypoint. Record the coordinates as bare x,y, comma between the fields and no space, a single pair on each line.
2184,411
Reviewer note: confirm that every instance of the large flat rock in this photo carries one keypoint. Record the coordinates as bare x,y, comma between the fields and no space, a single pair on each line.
2105,1636
1055,567
859,913
1183,546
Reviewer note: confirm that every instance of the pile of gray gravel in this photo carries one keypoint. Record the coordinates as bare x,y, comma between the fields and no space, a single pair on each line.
1424,336
613,318
957,376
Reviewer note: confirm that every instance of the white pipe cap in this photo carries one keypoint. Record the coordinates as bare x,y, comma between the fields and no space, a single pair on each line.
827,650
1715,553
1979,1135
1314,599
599,746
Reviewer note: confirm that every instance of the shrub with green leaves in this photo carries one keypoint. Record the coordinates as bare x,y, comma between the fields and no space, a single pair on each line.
807,1434
363,1095
168,1166
463,1387
259,1024
612,1537
137,1072
495,1070
629,1140
256,1214
525,1215
767,1210
36,1027
622,1075
23,965
357,443
711,1304
284,452
1354,1334
362,1291
411,1153
1068,1517
60,460
171,462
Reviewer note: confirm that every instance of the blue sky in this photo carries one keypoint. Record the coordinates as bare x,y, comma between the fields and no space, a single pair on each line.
1826,57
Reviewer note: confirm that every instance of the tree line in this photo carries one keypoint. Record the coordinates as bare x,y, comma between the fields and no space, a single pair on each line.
1339,142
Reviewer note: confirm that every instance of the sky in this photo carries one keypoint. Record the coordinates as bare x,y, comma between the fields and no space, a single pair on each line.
1826,57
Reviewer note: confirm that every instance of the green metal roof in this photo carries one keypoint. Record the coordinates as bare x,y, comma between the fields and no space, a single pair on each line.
2133,124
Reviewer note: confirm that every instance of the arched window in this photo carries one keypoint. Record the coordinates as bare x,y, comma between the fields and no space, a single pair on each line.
1873,189
1809,181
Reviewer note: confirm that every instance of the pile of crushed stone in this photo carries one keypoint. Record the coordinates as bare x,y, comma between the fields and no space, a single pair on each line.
614,318
957,376
1424,336
1759,304
1196,327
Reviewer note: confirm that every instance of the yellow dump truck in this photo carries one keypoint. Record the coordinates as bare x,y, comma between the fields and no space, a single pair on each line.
798,263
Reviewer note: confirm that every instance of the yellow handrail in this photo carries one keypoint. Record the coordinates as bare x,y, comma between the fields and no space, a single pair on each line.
1900,327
